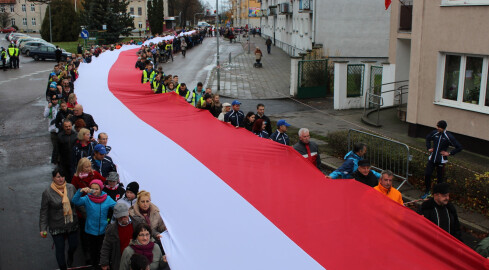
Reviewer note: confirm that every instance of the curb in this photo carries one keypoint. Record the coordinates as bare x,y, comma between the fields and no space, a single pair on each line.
467,224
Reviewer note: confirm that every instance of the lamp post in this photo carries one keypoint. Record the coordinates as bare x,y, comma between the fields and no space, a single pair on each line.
249,27
50,28
217,36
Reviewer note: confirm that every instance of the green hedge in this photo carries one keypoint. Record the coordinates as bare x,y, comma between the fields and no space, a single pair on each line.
468,188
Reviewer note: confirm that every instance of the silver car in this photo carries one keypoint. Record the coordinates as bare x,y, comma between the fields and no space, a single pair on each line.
32,45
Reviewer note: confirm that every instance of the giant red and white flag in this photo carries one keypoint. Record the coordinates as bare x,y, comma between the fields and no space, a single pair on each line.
234,201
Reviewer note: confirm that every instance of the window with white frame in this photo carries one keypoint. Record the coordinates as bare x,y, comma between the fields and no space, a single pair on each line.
464,2
464,82
12,21
12,8
33,7
131,10
33,21
140,25
23,7
2,9
24,21
140,11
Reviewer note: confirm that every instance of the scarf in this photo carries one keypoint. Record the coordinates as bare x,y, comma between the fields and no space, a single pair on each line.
145,250
67,212
97,199
146,217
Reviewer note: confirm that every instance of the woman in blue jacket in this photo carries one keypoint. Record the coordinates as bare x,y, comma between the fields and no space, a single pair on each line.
97,205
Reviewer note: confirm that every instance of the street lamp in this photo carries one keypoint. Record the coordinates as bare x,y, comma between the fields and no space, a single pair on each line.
249,27
217,36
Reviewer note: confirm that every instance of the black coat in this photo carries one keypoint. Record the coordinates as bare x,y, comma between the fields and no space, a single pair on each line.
443,216
65,146
440,141
268,127
369,180
88,121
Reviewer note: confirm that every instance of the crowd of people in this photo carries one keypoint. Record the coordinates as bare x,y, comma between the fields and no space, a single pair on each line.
119,226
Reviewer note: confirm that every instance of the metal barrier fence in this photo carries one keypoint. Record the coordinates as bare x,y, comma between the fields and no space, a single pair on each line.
383,153
287,48
374,101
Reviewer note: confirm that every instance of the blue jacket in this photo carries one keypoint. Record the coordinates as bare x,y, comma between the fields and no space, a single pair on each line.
280,137
348,167
235,117
96,212
440,141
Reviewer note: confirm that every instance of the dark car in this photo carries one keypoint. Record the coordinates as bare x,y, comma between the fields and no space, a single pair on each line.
9,29
47,52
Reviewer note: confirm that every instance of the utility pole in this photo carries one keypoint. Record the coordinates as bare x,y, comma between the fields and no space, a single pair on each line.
249,27
50,27
217,36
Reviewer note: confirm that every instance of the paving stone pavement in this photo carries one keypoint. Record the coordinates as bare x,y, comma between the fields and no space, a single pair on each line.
239,79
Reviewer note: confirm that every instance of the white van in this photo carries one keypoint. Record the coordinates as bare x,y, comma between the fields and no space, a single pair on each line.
203,24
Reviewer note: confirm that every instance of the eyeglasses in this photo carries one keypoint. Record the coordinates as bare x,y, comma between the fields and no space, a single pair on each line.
144,235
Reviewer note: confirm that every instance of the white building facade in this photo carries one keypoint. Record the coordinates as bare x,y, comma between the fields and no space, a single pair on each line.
27,16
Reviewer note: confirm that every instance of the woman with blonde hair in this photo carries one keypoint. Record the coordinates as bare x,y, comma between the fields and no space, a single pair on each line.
83,146
72,101
146,212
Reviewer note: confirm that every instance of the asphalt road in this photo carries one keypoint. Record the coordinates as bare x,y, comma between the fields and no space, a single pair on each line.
25,150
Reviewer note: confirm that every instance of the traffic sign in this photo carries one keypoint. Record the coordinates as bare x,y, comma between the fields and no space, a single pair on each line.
84,34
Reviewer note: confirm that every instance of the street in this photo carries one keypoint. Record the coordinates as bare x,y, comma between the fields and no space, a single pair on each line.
25,149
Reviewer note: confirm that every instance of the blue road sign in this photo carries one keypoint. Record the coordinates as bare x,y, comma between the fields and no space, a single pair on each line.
84,34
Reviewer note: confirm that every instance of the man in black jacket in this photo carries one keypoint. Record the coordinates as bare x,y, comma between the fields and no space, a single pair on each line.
365,175
79,114
440,211
309,150
66,141
260,114
437,143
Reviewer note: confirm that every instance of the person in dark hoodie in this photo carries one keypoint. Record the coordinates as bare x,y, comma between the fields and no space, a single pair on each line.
437,143
440,211
365,175
113,187
350,165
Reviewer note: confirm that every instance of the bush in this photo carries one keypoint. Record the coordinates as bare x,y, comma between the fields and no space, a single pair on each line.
468,188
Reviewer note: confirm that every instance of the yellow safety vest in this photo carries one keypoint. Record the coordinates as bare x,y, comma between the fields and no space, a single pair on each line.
155,86
4,54
11,51
151,76
186,96
16,51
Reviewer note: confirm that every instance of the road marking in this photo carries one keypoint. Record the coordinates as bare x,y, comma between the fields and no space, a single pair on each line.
25,76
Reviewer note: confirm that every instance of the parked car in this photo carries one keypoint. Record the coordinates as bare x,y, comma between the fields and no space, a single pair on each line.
27,47
47,52
10,36
9,29
21,42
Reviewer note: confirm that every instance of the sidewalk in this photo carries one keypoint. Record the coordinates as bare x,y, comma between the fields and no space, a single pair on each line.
324,119
239,79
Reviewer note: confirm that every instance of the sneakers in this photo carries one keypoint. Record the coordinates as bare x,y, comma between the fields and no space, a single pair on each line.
426,195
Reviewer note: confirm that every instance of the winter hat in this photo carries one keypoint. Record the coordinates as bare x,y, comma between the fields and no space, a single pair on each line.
133,187
97,182
442,188
121,210
113,176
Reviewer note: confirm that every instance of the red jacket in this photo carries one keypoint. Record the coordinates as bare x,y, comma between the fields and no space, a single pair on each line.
85,182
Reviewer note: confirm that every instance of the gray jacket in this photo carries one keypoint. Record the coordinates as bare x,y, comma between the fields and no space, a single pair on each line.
157,262
51,214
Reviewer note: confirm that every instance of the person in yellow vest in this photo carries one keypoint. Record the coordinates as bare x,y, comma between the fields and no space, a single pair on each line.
11,54
3,56
157,85
16,57
169,50
188,95
175,82
148,73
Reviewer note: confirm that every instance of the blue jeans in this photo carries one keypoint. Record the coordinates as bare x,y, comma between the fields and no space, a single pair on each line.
59,243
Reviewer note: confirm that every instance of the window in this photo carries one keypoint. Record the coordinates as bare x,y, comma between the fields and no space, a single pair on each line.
140,25
12,8
464,82
23,7
2,9
33,20
354,80
131,10
24,21
140,11
464,2
33,7
12,21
